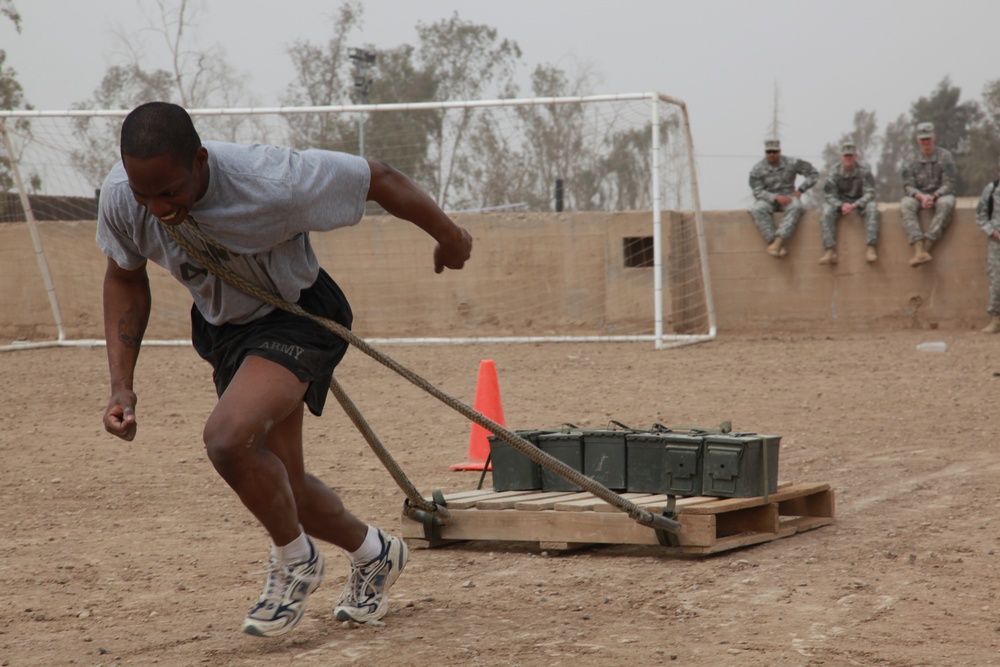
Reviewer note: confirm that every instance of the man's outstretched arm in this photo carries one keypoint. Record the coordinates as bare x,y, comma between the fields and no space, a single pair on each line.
401,197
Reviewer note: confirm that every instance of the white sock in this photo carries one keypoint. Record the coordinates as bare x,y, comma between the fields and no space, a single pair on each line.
295,551
369,549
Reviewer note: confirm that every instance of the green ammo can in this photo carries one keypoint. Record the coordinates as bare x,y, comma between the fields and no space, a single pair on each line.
665,463
512,470
740,465
605,456
568,448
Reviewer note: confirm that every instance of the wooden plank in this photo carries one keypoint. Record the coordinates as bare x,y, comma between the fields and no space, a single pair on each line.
746,539
605,507
470,500
762,519
592,502
583,505
509,501
699,530
731,504
651,498
788,528
536,504
656,504
510,525
820,503
462,495
804,523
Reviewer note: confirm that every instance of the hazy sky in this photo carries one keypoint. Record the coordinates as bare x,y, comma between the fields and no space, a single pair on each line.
723,58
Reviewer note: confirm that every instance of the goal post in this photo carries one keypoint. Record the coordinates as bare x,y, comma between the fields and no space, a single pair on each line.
585,215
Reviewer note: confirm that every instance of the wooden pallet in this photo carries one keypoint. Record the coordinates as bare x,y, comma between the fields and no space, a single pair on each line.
564,520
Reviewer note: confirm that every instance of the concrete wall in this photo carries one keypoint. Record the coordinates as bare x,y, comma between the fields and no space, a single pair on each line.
754,291
576,256
574,259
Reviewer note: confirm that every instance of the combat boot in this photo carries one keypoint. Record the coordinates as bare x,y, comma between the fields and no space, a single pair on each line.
871,254
775,249
993,326
920,254
829,257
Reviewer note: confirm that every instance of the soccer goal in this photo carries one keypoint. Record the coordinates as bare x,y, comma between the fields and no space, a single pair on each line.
584,211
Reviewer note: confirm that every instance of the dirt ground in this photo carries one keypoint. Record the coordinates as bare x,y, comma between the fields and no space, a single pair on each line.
116,553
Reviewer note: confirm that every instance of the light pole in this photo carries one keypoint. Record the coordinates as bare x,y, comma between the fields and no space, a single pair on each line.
363,60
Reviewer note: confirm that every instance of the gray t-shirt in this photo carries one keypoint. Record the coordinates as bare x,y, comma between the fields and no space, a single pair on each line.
261,203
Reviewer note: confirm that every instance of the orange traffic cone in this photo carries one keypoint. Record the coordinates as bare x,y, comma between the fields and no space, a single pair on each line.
487,404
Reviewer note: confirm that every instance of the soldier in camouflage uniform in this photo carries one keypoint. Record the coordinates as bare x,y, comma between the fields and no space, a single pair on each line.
988,219
929,178
849,187
773,183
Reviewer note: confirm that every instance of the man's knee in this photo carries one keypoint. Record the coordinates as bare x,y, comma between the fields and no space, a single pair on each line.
227,443
909,205
869,213
945,205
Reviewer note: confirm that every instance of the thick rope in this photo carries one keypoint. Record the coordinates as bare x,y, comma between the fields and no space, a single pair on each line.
637,513
416,500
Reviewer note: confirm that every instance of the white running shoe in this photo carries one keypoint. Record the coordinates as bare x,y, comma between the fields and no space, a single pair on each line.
366,595
283,602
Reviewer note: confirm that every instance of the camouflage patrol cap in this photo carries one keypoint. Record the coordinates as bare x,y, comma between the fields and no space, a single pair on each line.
848,149
772,145
925,130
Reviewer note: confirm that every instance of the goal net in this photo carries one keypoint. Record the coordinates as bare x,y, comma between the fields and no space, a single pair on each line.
584,213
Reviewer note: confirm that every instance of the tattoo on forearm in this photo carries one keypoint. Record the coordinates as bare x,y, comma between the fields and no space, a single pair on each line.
130,328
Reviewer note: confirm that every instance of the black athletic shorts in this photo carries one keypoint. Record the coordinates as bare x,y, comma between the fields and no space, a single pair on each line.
302,346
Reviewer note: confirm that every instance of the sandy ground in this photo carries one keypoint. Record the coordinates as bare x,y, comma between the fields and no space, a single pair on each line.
117,553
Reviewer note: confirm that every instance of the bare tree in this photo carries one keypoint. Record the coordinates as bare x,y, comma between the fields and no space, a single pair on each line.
8,10
498,168
402,140
98,137
321,75
468,61
202,77
454,59
193,77
12,97
896,145
556,143
980,166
